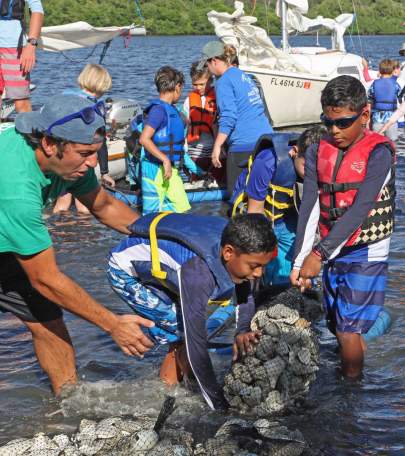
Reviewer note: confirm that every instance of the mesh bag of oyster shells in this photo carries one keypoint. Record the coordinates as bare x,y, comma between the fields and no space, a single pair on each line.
282,366
245,438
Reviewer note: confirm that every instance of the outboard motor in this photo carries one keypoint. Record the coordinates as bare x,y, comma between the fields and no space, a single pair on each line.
120,112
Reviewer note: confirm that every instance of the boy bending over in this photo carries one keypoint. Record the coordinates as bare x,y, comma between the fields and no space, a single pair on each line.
349,191
176,268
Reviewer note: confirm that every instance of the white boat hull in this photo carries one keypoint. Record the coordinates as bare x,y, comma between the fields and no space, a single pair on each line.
291,98
117,167
294,98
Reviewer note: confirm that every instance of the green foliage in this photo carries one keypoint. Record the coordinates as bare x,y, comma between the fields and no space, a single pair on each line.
188,17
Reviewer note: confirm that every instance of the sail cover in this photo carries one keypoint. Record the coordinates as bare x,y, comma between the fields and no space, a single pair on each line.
78,35
253,44
297,22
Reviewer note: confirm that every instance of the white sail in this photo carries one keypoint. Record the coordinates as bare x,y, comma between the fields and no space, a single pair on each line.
78,35
297,22
253,44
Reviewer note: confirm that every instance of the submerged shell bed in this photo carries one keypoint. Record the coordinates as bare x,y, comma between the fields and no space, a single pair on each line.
277,373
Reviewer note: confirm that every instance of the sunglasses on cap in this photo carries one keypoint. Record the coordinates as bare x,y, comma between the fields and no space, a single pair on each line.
87,114
341,123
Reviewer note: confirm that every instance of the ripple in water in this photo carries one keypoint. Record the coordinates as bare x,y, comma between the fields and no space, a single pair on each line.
338,418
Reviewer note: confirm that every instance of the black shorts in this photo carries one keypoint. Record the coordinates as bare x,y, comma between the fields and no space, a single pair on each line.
233,160
19,297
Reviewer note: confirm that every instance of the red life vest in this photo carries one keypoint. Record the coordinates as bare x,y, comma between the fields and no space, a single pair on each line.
340,174
201,118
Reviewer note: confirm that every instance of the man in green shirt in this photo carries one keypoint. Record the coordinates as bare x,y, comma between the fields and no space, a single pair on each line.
44,153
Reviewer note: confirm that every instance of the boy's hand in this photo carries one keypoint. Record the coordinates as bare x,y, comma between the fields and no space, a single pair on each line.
167,169
311,266
244,343
294,276
298,281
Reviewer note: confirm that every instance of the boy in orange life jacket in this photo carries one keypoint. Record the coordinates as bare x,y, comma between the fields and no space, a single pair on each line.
201,110
349,192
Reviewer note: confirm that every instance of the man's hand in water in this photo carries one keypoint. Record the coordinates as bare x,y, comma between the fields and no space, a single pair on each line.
128,335
244,343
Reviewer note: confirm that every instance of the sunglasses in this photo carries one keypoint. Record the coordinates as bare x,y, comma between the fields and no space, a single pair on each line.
342,123
87,114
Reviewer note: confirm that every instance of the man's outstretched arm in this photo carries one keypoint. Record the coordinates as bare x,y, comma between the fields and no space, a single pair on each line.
45,276
108,210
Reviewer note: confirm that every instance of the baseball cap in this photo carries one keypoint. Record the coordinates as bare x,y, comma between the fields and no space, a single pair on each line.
56,108
210,50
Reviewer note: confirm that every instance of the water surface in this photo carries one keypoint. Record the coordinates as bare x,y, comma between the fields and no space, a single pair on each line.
339,418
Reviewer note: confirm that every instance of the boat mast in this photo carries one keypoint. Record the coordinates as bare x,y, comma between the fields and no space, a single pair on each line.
284,33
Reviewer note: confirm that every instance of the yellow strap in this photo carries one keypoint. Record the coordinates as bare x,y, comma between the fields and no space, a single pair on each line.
250,163
154,249
277,204
219,303
289,191
240,199
271,216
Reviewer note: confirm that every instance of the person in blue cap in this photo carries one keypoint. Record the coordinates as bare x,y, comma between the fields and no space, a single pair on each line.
242,113
44,153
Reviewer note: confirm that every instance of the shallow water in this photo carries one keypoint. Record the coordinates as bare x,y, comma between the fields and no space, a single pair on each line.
339,418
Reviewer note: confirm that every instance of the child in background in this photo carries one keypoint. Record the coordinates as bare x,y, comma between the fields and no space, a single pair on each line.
163,137
400,112
94,81
201,110
349,192
309,137
383,98
267,186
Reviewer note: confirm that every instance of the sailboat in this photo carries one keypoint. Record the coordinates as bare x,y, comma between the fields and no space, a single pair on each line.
290,79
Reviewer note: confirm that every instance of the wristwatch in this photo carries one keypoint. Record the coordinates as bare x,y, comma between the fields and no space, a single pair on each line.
33,41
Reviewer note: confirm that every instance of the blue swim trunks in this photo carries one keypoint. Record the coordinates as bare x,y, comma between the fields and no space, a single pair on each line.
277,272
157,306
354,294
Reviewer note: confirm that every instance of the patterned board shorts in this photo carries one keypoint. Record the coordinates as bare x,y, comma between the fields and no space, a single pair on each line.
159,308
159,194
16,84
354,294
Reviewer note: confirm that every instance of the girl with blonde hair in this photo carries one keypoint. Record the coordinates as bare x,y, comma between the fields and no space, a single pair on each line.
94,81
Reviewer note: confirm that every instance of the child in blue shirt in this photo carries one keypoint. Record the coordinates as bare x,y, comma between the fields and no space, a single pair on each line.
383,97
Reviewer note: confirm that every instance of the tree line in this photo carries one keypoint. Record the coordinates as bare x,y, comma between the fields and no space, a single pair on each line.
189,17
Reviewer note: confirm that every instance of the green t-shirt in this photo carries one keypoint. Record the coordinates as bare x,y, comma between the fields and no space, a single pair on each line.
25,191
